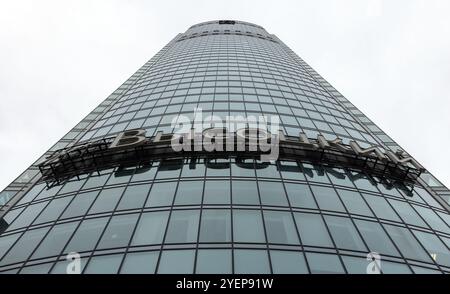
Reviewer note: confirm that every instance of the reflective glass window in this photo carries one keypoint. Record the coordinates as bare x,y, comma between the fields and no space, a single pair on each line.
56,239
248,261
106,200
183,226
119,231
288,262
381,207
354,202
80,204
151,228
300,196
407,213
245,192
6,242
280,227
189,193
134,197
344,233
327,198
272,193
213,261
432,219
375,237
176,262
24,246
87,235
215,225
217,192
324,263
312,230
406,243
248,226
161,194
140,263
105,264
388,267
27,216
53,210
435,248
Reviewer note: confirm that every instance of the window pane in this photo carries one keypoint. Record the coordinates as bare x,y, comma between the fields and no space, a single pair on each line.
183,226
376,238
169,169
312,230
300,196
214,261
161,194
267,171
315,173
344,233
36,269
217,192
6,242
388,267
381,208
327,198
151,228
106,200
425,271
406,243
251,261
432,219
134,197
248,226
324,263
106,264
87,235
354,202
189,192
407,213
23,248
119,231
144,174
243,168
27,216
338,177
291,170
80,204
356,265
245,192
218,167
53,210
288,262
176,262
95,181
140,263
280,227
55,241
272,193
193,170
436,249
215,226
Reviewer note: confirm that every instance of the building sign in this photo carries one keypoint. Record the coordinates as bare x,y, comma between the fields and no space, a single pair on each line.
133,147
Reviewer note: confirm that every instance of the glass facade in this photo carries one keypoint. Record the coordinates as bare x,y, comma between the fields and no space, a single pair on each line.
231,214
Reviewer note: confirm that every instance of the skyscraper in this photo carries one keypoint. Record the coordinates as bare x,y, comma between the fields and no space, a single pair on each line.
338,197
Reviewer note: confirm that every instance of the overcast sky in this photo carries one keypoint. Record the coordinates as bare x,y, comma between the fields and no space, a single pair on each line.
59,59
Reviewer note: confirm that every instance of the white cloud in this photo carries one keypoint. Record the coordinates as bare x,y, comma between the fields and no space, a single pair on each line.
59,59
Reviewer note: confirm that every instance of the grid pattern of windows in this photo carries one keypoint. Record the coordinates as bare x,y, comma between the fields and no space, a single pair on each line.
242,210
227,215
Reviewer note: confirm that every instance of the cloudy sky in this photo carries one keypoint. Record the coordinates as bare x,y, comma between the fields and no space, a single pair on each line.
59,59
